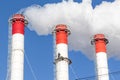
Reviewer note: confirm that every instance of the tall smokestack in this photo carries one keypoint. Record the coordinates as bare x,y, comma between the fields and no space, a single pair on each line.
101,56
18,23
61,33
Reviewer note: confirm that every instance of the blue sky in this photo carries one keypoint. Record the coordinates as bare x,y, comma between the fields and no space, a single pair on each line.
39,49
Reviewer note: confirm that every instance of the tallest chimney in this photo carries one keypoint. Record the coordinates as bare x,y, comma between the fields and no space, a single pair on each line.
18,23
101,56
61,33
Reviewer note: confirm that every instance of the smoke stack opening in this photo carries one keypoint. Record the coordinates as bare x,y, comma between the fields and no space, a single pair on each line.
62,27
18,17
18,22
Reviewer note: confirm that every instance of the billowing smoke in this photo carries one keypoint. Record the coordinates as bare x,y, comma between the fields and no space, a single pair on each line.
83,20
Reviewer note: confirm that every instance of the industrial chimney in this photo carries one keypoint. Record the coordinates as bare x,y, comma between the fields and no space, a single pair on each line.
101,56
18,23
61,33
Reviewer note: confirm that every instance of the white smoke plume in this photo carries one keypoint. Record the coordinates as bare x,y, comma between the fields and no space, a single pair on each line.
84,22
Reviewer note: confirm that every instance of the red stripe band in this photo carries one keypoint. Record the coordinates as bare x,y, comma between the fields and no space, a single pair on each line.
61,37
18,27
100,46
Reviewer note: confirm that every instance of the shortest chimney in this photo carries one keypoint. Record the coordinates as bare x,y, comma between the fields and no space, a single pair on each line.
99,41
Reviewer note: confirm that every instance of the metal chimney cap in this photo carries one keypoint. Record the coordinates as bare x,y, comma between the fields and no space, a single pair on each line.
98,37
18,16
61,27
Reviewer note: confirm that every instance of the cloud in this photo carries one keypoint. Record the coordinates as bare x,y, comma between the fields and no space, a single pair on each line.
83,20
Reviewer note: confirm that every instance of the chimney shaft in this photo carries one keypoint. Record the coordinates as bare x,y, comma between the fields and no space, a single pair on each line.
17,56
61,54
101,56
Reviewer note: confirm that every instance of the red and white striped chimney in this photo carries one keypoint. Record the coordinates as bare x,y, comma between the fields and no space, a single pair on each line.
101,56
61,33
18,23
